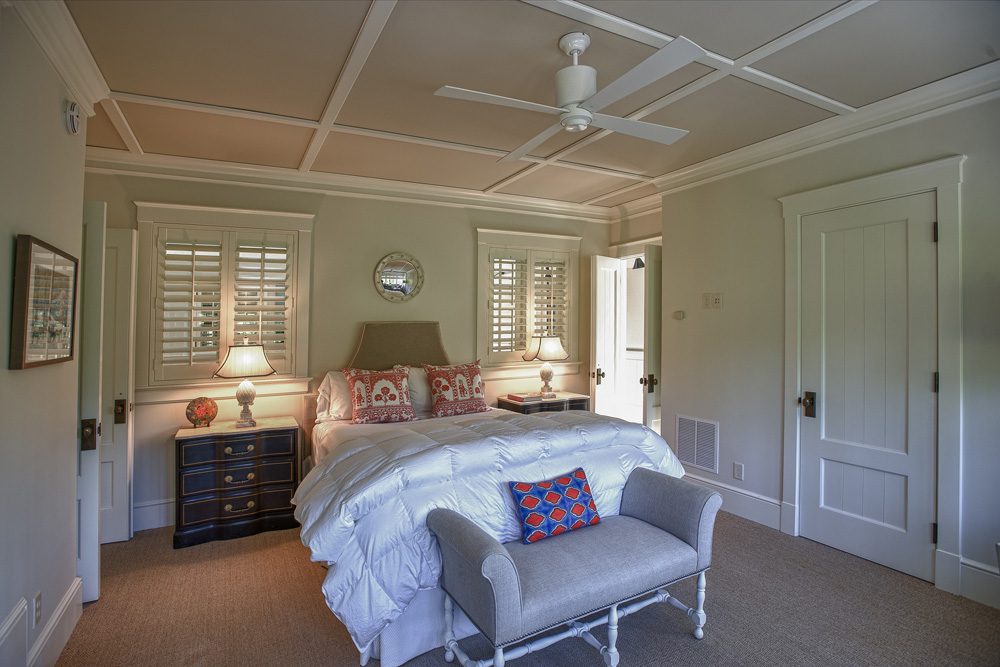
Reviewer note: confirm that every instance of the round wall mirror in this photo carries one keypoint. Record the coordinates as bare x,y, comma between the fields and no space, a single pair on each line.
398,277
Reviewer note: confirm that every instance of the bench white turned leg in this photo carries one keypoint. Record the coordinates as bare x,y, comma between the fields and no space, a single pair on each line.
610,652
699,611
449,632
498,657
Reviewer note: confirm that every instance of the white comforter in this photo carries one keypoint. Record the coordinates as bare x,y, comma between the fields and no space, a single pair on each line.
363,508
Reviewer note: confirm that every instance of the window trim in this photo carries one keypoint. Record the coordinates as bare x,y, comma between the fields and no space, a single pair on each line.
490,240
152,215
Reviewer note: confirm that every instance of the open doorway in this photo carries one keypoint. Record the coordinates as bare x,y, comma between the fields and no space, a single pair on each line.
626,336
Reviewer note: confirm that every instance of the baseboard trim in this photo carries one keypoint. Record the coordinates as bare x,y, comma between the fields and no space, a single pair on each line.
14,635
746,504
53,637
153,514
981,582
789,519
948,571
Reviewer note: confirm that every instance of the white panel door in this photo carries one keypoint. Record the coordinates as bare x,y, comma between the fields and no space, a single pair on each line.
869,351
88,556
652,327
604,333
117,383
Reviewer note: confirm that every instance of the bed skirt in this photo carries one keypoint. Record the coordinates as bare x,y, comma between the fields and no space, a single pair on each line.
420,628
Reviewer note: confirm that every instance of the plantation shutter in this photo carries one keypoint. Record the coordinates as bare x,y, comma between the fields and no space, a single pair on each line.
508,304
262,295
189,298
550,296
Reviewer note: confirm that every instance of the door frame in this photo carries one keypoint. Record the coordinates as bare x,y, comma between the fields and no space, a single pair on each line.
944,177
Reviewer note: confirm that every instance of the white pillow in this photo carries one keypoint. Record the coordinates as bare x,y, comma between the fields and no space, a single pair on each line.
334,401
420,391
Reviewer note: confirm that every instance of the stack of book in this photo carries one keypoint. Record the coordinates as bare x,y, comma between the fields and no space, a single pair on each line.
531,397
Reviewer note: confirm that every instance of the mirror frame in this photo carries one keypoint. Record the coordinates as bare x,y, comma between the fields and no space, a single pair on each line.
390,295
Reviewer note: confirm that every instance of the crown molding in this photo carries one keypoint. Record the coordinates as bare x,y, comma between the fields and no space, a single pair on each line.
110,161
55,31
974,86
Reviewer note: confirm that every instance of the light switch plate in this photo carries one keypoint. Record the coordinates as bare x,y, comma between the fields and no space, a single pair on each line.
738,471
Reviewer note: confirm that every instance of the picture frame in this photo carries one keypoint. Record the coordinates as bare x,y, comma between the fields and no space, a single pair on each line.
43,318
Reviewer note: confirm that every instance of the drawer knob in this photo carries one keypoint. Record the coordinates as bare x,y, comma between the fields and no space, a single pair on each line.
229,451
229,508
250,477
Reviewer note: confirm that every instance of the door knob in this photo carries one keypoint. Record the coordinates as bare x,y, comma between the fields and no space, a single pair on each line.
808,402
649,383
598,375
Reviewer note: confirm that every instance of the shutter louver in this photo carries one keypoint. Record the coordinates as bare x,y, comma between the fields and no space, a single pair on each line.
189,302
508,303
261,297
551,298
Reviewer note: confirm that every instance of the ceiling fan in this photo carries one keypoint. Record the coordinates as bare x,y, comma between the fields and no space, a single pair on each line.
578,101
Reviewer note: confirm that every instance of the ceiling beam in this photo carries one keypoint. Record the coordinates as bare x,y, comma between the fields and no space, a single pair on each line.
200,107
122,126
364,43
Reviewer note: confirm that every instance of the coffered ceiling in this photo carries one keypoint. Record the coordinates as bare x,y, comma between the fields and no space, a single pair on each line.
346,87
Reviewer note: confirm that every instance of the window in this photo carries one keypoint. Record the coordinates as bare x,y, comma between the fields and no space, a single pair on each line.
217,277
527,287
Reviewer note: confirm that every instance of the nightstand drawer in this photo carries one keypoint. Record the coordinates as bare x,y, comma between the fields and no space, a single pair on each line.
235,448
237,477
235,506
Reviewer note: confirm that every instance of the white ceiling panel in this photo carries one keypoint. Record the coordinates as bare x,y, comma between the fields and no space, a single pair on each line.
413,163
265,55
214,137
731,28
891,47
564,184
100,131
721,117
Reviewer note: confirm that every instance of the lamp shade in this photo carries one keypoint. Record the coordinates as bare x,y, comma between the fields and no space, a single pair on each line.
545,348
245,361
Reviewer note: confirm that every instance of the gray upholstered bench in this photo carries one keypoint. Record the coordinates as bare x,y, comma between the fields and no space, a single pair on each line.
514,592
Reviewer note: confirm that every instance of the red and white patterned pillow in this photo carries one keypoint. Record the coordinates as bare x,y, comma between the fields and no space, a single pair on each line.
456,390
379,396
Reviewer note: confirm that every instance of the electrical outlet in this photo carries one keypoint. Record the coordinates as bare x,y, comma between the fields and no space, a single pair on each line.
711,301
738,471
36,603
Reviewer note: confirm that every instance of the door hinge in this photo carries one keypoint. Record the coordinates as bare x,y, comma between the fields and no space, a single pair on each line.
935,232
937,381
934,535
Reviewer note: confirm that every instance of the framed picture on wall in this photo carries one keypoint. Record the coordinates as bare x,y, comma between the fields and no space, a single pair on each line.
44,304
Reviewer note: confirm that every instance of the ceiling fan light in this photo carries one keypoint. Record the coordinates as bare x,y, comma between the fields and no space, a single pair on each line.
576,127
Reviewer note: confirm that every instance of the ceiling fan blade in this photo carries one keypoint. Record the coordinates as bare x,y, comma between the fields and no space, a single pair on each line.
675,55
651,132
489,98
532,143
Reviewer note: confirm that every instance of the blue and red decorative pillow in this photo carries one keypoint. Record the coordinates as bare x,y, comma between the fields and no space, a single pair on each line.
554,506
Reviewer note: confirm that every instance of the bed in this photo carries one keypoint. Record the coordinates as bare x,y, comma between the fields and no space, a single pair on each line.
364,504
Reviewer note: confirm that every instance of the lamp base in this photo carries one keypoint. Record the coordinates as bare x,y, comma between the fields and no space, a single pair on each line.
546,374
245,395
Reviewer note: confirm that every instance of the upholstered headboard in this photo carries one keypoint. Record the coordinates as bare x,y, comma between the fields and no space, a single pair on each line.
383,344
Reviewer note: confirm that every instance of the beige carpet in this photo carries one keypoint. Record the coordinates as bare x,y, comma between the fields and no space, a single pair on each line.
772,600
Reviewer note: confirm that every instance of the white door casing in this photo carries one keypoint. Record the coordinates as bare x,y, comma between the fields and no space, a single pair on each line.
869,352
944,178
652,332
88,559
118,385
604,332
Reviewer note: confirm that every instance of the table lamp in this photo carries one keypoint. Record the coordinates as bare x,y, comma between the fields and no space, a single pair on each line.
545,348
245,361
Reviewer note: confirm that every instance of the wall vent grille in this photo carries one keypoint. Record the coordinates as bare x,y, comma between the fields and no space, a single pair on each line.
698,442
